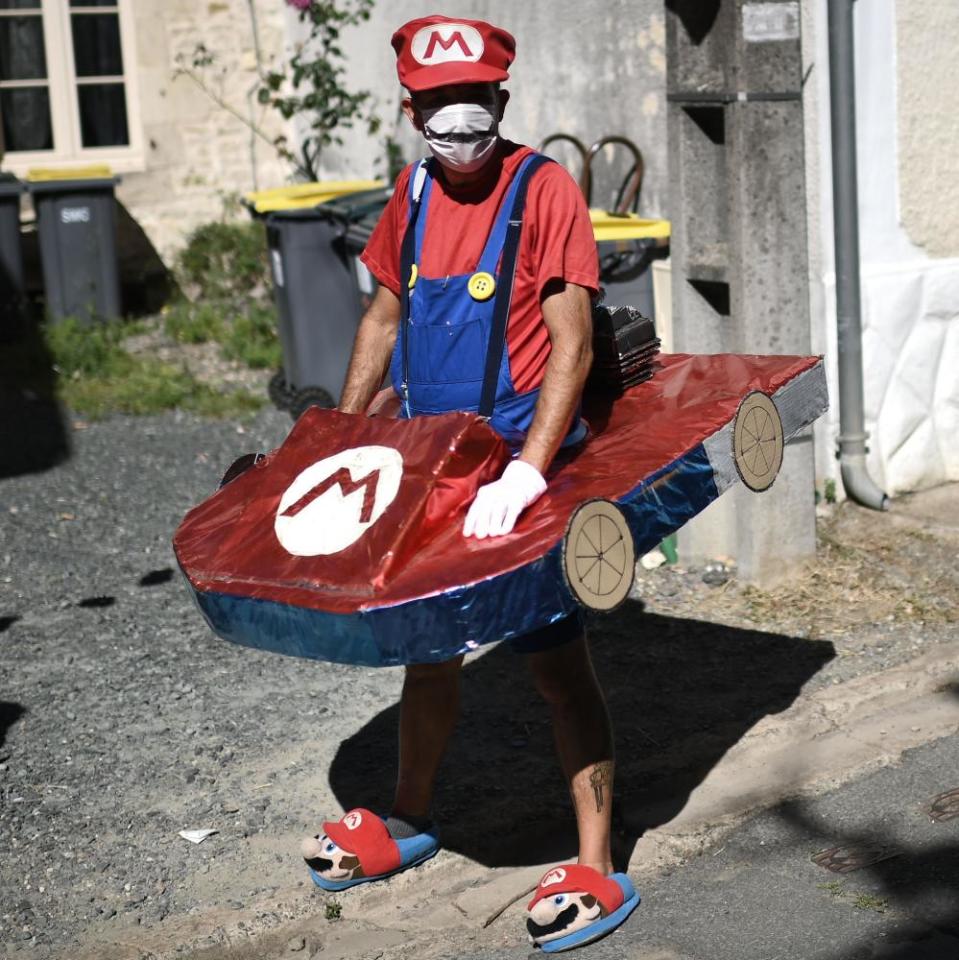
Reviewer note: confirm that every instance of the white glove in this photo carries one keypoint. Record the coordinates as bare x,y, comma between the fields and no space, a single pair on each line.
498,505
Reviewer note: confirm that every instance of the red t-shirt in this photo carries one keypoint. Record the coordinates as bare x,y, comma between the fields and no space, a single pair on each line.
557,243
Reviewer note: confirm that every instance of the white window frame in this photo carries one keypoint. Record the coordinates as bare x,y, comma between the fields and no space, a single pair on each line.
68,151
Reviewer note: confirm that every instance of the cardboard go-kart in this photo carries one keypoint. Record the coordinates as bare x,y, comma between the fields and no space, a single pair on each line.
345,543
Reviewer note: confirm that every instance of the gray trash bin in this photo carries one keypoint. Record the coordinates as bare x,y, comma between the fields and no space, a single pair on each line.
626,275
627,245
321,292
12,286
77,227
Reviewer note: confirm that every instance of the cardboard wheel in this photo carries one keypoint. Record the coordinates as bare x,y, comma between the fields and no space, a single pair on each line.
599,556
758,441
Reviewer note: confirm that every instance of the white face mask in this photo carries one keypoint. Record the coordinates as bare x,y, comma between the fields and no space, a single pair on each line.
461,135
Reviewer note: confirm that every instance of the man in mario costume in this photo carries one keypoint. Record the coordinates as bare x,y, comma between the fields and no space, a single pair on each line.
487,267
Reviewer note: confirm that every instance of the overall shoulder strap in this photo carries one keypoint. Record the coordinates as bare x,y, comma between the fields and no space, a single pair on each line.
496,241
420,182
418,179
504,283
418,186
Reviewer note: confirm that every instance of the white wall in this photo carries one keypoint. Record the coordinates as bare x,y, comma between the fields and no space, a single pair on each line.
910,300
927,43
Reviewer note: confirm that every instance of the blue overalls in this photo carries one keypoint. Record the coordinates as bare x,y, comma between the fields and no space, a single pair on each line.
450,350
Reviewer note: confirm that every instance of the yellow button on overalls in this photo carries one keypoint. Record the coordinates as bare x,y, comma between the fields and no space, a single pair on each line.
481,286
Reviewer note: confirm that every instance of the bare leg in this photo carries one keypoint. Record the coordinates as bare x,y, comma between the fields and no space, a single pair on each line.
584,742
428,712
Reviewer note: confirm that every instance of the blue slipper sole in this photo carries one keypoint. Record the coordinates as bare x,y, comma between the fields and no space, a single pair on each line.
413,852
601,927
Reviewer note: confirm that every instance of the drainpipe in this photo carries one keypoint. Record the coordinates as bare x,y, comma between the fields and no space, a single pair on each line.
858,484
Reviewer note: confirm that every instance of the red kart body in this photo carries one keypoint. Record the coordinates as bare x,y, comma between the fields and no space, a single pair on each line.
346,542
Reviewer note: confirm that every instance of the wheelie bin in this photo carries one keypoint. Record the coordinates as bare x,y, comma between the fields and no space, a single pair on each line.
77,228
320,288
627,246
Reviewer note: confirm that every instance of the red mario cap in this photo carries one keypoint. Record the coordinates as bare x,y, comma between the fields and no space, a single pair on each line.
575,878
437,51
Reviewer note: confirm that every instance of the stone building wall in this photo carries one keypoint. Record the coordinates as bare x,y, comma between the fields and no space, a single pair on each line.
195,150
588,69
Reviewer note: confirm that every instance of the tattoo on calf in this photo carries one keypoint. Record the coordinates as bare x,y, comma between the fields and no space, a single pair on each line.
601,780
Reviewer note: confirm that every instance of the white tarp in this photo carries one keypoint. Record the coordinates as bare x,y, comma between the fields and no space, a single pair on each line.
910,302
910,371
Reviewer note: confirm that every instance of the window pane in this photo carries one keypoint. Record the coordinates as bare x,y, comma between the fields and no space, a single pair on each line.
19,4
96,45
103,115
21,49
26,119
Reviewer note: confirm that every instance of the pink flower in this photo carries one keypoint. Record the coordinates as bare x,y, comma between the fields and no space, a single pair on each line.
300,4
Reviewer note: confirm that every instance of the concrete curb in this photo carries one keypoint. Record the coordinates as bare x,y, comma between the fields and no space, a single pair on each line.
830,737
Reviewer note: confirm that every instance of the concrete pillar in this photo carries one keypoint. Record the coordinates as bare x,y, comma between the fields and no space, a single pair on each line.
739,262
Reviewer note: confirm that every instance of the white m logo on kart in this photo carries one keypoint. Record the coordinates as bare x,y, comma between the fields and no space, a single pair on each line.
332,503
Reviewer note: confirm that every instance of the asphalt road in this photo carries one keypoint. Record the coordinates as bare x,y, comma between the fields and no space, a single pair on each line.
757,895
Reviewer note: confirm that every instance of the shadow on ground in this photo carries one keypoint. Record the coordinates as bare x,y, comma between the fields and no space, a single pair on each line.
919,887
10,713
35,436
680,692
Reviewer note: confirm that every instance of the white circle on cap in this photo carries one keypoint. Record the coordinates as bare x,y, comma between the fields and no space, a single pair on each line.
554,876
333,502
353,819
447,43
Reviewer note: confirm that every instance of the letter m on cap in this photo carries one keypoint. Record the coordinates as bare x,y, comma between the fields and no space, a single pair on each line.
447,43
436,39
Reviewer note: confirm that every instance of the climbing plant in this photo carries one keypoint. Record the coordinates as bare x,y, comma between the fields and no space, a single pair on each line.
311,87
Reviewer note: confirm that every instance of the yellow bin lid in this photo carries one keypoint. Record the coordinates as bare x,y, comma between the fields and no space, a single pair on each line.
46,174
627,226
306,194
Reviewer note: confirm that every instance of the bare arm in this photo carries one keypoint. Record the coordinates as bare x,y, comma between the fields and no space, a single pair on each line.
568,316
371,351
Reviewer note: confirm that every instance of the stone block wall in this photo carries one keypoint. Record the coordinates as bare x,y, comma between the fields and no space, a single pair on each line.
196,151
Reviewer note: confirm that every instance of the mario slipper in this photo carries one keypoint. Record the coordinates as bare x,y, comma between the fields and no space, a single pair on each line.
359,849
574,905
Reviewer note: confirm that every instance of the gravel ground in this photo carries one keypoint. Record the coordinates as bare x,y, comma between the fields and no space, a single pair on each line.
205,361
123,721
